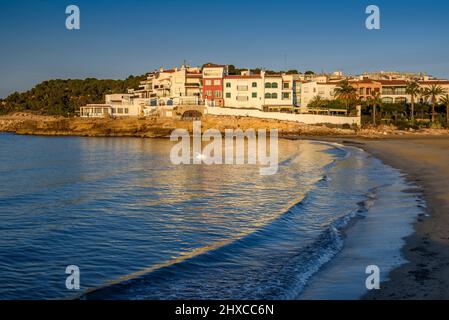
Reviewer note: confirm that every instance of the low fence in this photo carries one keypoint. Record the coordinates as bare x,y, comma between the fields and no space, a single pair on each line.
303,118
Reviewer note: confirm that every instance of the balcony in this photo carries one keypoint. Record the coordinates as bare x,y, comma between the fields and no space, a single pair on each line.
192,84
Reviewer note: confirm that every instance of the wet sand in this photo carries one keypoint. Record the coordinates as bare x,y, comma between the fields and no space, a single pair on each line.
425,161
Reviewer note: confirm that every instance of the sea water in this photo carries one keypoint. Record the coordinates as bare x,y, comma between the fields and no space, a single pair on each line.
139,227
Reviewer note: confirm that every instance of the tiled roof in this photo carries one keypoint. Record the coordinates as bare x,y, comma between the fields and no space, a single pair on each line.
255,76
438,82
392,82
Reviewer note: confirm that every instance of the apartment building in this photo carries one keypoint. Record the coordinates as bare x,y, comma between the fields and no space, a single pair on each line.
427,83
366,87
395,91
213,77
267,92
310,90
243,91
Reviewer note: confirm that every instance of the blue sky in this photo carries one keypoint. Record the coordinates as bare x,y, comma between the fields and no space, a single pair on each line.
119,38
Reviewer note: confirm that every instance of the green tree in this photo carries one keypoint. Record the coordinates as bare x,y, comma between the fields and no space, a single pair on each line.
445,101
432,92
374,100
346,92
413,90
64,97
317,103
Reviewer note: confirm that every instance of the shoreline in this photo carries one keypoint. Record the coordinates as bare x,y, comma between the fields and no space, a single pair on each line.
40,125
374,233
423,160
422,157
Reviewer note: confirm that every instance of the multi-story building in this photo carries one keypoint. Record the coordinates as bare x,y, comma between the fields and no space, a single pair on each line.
243,91
170,87
444,84
268,92
213,76
394,91
310,90
212,86
366,87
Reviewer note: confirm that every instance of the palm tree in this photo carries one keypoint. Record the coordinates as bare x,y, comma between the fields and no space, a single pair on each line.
445,101
433,92
346,92
375,100
422,95
413,90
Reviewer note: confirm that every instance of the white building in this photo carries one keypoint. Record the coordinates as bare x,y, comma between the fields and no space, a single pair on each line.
310,90
173,86
268,92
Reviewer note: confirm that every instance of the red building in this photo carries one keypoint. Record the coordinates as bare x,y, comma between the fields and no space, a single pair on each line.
213,84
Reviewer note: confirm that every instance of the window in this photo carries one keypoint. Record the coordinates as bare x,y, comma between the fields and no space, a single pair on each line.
120,110
268,85
286,95
228,84
228,95
217,94
286,85
126,110
242,98
274,96
242,88
208,93
387,90
254,95
217,82
400,91
254,85
267,95
274,85
208,82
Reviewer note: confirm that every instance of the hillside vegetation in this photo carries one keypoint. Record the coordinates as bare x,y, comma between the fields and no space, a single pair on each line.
64,97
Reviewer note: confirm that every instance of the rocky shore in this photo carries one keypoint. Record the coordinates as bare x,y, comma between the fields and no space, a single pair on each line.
27,124
30,124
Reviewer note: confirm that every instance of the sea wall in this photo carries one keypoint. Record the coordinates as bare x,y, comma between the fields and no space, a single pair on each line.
302,118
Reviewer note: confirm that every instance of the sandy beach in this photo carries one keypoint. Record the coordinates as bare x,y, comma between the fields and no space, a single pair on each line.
425,161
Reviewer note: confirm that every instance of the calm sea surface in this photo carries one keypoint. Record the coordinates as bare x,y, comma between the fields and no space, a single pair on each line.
139,227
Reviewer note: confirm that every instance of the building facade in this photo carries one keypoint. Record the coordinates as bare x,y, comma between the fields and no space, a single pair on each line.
267,92
366,87
310,90
213,78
